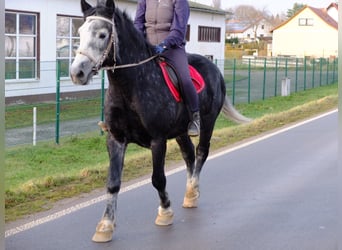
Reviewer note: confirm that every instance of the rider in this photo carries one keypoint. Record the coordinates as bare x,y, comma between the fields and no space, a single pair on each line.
164,23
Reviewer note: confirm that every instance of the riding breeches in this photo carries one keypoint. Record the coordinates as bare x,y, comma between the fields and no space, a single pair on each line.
178,59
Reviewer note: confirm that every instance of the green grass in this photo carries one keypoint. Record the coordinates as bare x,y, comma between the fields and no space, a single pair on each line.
36,177
21,115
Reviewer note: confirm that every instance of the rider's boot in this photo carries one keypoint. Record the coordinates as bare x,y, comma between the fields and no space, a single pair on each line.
194,125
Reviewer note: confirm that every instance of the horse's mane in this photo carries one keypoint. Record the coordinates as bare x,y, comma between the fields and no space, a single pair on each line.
127,33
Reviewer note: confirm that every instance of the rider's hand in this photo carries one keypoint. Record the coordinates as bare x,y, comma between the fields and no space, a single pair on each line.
160,48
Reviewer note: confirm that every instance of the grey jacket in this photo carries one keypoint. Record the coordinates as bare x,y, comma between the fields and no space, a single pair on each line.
163,21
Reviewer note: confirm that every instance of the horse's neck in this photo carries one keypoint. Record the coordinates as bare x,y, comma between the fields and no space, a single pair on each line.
132,46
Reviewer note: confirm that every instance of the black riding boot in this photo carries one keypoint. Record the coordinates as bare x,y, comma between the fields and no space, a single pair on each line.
194,125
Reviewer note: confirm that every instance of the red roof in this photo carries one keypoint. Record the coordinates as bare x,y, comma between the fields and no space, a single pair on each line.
323,14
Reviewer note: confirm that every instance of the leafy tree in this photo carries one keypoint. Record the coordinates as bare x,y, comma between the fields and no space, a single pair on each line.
296,7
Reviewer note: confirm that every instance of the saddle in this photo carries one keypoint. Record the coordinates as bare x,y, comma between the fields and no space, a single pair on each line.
172,80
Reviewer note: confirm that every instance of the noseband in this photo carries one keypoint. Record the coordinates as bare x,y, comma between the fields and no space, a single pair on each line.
112,42
98,63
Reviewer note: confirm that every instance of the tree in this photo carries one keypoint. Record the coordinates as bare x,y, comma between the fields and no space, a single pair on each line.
217,4
250,16
296,7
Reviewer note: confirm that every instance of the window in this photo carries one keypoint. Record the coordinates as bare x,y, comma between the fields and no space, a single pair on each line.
20,46
187,35
209,34
305,21
68,41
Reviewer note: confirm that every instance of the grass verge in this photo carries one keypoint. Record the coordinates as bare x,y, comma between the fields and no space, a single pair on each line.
36,177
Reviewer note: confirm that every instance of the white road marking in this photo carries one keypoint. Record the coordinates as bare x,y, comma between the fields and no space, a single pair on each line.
136,185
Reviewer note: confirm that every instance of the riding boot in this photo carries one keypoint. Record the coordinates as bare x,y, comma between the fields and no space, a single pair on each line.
194,125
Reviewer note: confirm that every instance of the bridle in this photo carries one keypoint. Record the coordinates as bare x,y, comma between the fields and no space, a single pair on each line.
112,43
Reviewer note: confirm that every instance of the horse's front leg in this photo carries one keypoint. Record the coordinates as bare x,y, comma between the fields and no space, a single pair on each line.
192,187
105,228
165,213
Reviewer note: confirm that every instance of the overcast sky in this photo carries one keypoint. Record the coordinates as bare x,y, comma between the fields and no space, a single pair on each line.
273,6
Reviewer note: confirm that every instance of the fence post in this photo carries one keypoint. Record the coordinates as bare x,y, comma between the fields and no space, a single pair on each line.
313,73
102,97
334,68
58,88
264,83
296,82
234,79
320,71
327,72
286,66
34,136
304,73
249,80
276,77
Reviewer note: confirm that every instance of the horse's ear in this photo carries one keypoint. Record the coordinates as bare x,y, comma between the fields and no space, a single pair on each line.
110,5
85,6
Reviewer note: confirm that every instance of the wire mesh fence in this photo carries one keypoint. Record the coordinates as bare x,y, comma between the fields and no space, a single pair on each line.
247,80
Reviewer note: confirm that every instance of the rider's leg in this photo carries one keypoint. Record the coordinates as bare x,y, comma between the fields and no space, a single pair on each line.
177,57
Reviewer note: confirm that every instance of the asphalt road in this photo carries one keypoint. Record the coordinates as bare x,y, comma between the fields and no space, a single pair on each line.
279,192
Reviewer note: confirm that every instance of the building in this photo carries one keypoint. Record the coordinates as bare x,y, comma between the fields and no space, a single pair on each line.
39,33
312,32
248,32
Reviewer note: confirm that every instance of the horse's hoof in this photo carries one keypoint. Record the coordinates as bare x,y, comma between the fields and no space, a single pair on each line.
103,126
104,231
164,217
190,202
191,198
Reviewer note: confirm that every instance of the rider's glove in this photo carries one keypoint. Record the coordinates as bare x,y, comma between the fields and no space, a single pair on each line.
160,48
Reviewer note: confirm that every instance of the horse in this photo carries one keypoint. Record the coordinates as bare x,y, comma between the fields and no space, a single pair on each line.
140,109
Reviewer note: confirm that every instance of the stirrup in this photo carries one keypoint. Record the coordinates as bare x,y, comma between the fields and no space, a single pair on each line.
193,129
194,125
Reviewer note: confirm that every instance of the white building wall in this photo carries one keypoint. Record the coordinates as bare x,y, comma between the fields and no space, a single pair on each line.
48,11
214,50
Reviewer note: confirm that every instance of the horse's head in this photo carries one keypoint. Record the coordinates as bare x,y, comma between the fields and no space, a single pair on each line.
96,40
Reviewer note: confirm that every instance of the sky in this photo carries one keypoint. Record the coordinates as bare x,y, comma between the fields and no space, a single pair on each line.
273,6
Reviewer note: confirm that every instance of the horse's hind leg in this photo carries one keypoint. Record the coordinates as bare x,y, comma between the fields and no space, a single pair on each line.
165,213
105,228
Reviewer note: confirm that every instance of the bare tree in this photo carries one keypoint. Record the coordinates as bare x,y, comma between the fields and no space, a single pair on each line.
250,16
217,4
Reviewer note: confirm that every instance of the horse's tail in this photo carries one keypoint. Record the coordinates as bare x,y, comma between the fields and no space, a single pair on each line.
231,113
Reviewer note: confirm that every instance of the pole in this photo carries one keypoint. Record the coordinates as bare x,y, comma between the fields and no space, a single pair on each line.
58,88
264,83
320,71
234,78
313,73
249,80
296,84
327,76
102,97
2,125
304,73
276,77
34,126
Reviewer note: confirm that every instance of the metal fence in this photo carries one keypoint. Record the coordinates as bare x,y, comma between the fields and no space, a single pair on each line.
253,79
246,80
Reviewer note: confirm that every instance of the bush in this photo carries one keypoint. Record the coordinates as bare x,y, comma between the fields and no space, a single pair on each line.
232,40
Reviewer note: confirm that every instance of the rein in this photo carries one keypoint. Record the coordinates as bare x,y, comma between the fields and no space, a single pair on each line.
112,42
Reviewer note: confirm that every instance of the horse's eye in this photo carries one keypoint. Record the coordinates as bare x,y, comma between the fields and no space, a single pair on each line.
102,36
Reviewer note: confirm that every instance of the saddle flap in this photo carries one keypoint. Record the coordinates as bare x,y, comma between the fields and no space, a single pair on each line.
171,79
